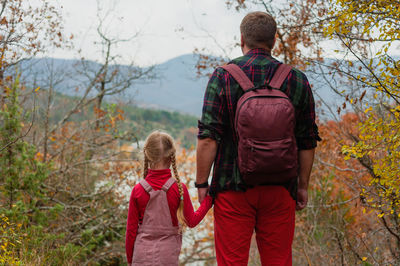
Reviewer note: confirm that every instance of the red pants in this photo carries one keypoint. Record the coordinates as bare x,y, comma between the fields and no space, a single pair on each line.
269,210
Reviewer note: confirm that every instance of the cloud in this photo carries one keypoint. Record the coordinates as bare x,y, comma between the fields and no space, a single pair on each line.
167,28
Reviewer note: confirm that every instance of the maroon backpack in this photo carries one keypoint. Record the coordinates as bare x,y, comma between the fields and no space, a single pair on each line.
264,123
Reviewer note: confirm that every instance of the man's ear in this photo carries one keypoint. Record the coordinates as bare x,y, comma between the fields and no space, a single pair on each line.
241,41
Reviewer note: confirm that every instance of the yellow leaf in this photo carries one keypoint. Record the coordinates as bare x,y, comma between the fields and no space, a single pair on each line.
38,88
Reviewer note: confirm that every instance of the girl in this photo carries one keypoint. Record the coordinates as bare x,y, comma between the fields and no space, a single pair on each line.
158,204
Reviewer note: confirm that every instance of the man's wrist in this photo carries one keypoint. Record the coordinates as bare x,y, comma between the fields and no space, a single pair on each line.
302,187
201,185
302,182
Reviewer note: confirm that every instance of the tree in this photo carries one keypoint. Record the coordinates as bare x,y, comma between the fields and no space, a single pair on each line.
27,30
367,30
84,147
339,225
53,170
300,24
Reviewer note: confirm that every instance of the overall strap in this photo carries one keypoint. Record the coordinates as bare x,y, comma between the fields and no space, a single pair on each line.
146,185
280,75
168,184
238,74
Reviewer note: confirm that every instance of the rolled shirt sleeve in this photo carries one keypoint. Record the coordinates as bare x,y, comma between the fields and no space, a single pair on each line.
211,125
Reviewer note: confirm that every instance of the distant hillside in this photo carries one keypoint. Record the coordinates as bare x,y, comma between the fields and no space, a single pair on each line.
176,86
182,127
141,121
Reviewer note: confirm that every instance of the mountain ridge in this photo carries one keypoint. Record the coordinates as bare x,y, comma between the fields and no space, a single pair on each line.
176,87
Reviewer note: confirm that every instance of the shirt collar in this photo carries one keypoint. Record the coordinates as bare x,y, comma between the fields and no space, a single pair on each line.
160,173
258,51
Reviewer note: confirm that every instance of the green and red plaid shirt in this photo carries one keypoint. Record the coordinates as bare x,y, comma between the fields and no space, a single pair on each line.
220,100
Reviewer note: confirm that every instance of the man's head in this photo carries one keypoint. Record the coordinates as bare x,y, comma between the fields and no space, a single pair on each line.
258,30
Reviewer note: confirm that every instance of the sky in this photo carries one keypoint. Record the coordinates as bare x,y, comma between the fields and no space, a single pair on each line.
164,29
156,30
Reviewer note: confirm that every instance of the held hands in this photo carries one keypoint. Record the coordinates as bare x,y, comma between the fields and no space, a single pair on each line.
302,199
202,193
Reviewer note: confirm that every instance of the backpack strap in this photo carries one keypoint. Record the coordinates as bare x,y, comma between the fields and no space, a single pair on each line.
280,76
245,83
168,184
146,185
238,74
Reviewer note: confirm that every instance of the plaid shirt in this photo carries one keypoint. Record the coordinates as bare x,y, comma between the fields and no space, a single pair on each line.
220,100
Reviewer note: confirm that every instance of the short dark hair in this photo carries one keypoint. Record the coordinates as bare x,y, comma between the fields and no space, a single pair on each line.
258,29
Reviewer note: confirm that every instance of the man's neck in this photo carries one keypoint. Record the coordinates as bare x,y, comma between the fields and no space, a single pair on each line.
246,49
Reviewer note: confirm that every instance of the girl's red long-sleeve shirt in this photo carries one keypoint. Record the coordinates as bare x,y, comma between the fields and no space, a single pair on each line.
139,199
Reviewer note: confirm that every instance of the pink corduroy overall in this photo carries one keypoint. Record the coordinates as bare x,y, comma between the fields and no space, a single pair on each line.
158,242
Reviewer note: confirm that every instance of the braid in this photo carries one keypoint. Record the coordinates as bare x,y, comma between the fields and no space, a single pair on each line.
181,216
178,180
146,165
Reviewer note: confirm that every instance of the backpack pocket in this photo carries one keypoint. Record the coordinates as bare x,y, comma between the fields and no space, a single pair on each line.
268,157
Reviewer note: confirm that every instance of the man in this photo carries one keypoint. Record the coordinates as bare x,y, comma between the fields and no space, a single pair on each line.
239,209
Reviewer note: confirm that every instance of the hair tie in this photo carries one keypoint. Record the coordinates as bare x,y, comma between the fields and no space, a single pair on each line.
181,197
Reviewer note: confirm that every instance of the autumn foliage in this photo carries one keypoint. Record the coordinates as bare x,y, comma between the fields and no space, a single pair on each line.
67,164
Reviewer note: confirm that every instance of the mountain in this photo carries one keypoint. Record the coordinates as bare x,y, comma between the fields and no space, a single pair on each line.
175,87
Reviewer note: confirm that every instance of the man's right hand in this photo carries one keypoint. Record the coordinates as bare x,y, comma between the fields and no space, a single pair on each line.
302,199
202,193
306,159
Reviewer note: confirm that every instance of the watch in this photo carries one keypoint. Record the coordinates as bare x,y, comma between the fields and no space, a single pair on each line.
202,185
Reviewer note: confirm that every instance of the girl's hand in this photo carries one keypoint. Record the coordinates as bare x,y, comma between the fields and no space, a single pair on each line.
202,193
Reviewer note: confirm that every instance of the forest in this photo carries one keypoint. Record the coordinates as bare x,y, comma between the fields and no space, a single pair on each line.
68,163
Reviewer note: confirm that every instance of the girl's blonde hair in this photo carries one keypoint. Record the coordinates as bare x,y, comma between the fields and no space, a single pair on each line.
160,146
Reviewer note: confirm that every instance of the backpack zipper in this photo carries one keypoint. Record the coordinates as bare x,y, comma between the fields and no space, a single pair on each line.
259,96
254,144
